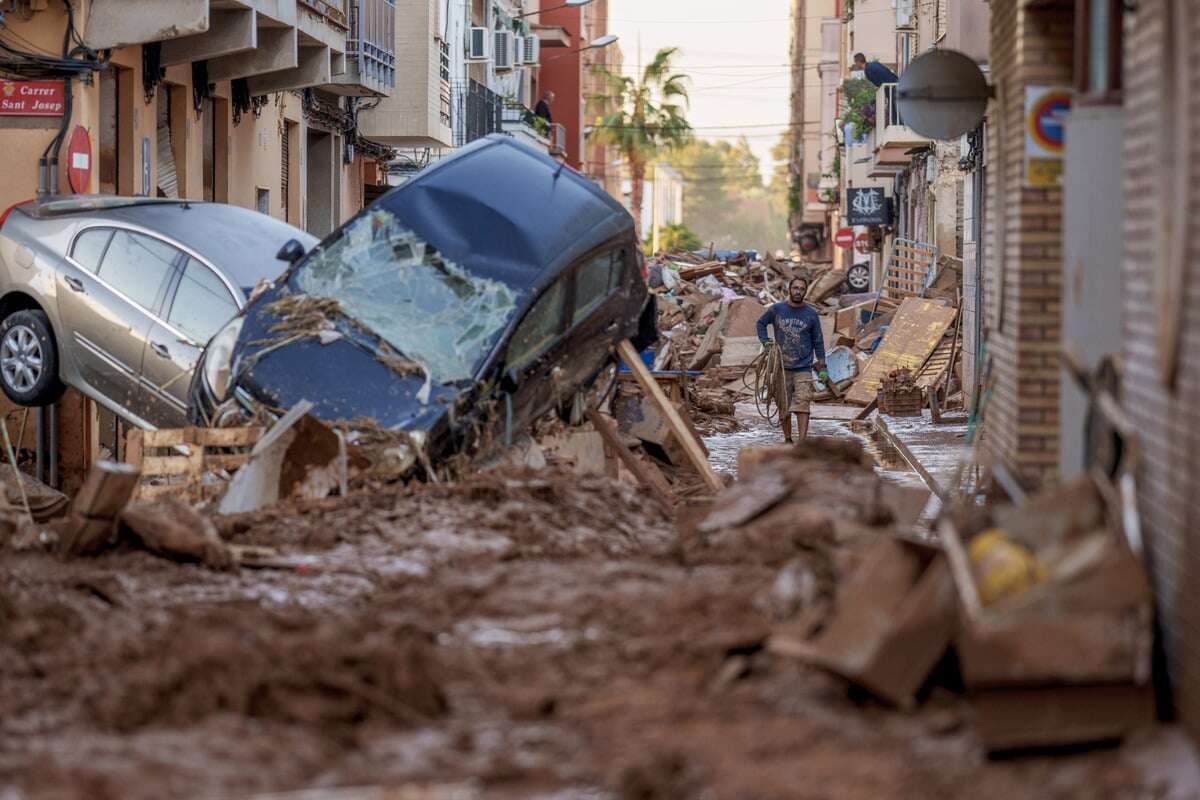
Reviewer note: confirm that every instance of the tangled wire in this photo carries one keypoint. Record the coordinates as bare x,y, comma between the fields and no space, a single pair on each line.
770,383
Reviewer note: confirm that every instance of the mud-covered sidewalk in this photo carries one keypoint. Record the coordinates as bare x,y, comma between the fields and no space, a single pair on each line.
516,635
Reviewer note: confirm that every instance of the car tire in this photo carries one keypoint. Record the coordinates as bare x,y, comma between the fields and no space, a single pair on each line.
29,359
858,278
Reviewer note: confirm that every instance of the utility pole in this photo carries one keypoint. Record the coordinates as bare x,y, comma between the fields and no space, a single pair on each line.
796,129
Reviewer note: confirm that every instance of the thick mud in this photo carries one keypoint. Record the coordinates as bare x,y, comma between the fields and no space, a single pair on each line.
515,635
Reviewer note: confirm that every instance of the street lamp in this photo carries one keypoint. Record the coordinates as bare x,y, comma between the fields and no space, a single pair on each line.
596,44
567,4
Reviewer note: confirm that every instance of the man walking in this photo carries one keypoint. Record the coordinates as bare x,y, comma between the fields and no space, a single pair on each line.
801,347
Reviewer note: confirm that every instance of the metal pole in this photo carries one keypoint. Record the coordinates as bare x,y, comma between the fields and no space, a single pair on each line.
40,448
52,413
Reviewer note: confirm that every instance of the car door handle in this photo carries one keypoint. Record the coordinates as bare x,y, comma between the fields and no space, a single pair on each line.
75,284
160,350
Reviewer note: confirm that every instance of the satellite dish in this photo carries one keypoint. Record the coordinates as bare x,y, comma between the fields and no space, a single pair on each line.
943,94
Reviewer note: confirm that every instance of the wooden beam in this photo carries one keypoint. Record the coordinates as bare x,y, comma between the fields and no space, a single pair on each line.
650,387
93,516
647,474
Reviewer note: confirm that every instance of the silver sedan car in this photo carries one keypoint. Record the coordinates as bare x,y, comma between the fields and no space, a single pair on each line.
117,296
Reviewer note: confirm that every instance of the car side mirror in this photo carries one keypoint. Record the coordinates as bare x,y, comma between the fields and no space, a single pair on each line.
509,381
291,252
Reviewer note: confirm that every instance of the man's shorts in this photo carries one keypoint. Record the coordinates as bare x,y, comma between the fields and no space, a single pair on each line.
799,390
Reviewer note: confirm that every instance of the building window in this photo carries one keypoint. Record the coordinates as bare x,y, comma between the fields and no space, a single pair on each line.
1098,49
262,200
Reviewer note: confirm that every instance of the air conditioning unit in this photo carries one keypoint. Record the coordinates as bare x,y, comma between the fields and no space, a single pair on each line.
532,51
477,44
518,50
503,54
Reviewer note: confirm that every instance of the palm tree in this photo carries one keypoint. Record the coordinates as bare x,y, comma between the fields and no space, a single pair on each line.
643,116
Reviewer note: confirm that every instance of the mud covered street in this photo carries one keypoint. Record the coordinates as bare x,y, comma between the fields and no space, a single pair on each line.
519,634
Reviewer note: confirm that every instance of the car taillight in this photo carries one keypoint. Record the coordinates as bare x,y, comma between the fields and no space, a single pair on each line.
9,210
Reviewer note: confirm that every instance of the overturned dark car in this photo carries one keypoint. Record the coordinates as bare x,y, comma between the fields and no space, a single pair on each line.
456,309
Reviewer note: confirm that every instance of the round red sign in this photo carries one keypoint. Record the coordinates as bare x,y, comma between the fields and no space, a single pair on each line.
79,160
844,237
863,243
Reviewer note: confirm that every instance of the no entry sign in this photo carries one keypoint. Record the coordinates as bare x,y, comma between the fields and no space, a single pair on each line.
863,243
79,160
844,237
32,98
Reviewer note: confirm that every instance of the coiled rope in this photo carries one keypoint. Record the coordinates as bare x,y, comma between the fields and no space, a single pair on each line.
770,383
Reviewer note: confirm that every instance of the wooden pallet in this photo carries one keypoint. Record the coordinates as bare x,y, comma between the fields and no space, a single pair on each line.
174,461
909,270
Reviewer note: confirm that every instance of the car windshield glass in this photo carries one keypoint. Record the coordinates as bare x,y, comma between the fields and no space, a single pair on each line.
430,309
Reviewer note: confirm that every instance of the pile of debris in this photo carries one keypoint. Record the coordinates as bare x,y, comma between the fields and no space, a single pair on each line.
899,395
708,310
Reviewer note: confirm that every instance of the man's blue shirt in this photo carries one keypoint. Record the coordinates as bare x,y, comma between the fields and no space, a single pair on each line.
797,333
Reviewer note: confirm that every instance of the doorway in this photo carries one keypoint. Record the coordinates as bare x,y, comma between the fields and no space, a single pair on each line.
214,122
116,167
321,194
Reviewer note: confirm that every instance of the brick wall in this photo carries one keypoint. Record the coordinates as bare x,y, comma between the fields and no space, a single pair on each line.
1023,235
1168,419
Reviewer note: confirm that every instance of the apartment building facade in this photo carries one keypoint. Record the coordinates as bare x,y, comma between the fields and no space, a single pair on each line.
217,101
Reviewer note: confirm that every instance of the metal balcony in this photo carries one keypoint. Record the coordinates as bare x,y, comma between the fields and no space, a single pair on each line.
477,111
370,49
558,140
891,132
525,126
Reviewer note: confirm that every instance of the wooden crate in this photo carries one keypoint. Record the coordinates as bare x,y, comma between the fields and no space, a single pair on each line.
174,461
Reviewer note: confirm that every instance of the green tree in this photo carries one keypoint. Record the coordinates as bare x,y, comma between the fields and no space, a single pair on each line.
676,239
724,199
642,117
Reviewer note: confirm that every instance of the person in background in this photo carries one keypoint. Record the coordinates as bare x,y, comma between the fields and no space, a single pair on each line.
801,347
875,72
543,107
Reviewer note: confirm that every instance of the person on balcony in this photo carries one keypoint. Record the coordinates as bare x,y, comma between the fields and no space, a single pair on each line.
875,72
543,107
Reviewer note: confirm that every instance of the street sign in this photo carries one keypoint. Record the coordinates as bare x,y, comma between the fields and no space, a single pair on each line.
867,206
862,243
32,98
844,237
1046,108
79,160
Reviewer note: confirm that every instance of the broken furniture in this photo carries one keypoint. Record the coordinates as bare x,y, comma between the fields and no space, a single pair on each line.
1067,660
894,619
189,464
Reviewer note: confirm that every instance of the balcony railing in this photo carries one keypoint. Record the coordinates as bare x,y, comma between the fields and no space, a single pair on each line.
890,128
478,111
558,139
371,42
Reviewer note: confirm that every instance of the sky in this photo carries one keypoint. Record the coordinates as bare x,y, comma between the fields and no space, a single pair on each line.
736,52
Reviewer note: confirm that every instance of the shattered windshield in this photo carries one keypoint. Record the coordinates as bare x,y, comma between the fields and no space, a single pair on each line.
430,309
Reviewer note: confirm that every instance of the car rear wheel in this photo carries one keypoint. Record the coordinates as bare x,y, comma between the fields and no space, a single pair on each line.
858,278
29,359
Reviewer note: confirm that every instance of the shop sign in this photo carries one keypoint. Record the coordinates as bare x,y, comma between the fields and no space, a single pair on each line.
867,206
32,98
1046,108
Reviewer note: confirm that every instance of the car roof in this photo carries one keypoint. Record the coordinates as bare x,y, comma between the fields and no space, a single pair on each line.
238,241
503,210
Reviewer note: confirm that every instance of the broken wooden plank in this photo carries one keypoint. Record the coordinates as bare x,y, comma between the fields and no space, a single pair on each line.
92,521
647,474
914,333
630,356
